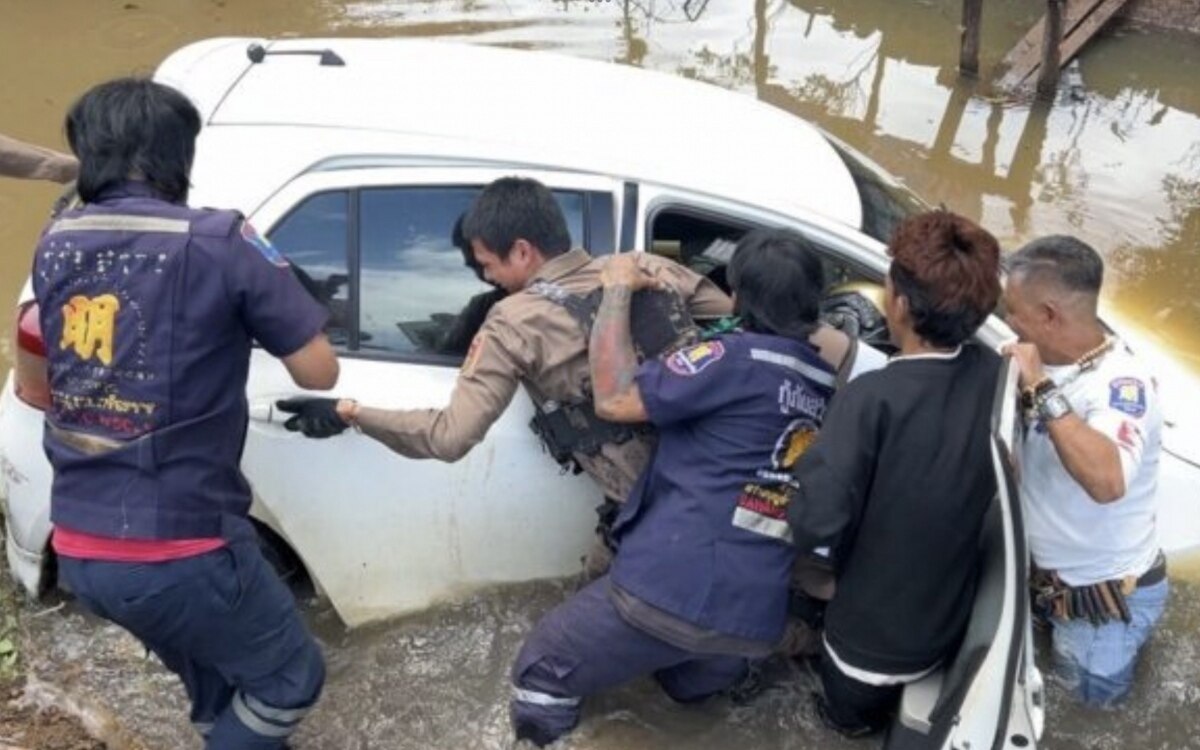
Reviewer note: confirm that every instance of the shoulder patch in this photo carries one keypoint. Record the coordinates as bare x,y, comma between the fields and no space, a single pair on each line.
693,359
1127,395
263,245
473,354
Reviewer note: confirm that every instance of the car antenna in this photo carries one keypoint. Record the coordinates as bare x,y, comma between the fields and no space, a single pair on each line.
257,53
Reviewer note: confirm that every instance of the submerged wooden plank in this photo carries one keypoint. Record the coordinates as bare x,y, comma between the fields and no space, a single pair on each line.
1025,58
1088,28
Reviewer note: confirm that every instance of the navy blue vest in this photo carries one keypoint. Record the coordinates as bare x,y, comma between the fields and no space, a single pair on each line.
704,535
147,365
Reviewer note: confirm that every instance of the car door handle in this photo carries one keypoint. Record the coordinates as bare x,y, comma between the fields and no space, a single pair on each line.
263,410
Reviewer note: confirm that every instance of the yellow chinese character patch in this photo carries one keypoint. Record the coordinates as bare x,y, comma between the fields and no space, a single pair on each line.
89,326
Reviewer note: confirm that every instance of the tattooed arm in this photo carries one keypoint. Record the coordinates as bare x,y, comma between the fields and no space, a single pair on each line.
610,351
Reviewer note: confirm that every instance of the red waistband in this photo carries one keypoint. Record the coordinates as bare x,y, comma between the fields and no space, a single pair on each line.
69,543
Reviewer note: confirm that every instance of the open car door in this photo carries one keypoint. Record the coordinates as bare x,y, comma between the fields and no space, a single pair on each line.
989,694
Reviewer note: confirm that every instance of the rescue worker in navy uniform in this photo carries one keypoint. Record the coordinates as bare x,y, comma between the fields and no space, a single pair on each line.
149,309
899,480
699,584
536,336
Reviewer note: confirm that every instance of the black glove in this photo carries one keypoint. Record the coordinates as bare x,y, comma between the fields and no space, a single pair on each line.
315,417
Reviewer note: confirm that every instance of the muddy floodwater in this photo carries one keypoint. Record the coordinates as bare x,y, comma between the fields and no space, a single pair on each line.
438,680
1115,160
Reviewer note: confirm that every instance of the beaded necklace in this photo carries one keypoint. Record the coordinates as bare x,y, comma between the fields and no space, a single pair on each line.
1085,363
1088,361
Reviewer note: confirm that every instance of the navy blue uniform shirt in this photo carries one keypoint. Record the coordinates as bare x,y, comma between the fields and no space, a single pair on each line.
149,310
704,535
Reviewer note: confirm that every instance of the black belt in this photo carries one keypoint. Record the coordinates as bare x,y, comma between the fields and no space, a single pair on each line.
1157,572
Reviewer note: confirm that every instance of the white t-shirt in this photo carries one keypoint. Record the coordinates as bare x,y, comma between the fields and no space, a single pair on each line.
1069,532
867,359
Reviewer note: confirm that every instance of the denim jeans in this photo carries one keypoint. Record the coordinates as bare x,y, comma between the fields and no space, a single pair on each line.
1096,662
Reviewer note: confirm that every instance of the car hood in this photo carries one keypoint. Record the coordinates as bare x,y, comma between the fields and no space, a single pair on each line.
1175,378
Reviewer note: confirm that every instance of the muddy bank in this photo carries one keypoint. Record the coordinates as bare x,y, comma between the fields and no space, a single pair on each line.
1169,15
24,724
33,714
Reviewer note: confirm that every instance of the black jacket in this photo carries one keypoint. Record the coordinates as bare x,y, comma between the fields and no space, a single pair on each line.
897,484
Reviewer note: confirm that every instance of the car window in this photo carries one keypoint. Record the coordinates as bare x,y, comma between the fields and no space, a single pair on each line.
417,294
884,203
414,293
704,241
314,237
701,240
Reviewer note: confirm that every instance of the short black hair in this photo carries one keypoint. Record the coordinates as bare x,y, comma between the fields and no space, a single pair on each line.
133,128
513,208
459,240
778,279
948,268
1061,259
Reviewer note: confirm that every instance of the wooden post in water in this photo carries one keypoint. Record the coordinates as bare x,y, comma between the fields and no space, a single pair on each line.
1051,56
972,19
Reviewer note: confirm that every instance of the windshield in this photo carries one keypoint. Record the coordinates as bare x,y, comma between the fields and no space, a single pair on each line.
885,202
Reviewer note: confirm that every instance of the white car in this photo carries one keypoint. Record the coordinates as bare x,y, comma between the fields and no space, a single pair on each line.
355,157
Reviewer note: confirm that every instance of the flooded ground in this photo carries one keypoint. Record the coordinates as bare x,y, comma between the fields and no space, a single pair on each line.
439,681
1116,160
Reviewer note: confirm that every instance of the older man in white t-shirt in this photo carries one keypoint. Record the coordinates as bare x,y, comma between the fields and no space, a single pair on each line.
1089,469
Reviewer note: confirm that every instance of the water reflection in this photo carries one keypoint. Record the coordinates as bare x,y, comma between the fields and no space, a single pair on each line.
1114,160
1109,161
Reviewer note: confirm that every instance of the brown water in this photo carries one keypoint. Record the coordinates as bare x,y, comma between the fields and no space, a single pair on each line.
1116,160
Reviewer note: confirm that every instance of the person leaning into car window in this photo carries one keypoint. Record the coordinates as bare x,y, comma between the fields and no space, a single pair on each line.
900,476
699,583
151,307
457,338
1089,469
533,337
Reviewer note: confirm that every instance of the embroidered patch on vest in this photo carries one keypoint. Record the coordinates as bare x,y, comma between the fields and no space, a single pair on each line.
793,444
1127,395
692,360
473,354
263,245
89,326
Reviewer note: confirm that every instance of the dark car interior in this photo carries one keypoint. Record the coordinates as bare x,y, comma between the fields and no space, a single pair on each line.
705,244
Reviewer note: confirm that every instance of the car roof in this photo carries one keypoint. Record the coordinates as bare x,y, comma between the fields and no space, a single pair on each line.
440,99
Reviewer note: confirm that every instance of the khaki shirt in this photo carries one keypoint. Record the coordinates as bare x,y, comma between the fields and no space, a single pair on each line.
20,159
535,341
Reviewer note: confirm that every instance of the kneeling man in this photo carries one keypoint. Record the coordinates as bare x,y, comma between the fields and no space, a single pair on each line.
700,580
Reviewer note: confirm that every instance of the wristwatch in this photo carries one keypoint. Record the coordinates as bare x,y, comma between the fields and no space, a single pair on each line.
1053,405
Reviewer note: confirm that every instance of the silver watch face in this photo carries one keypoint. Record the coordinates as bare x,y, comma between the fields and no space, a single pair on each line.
1054,406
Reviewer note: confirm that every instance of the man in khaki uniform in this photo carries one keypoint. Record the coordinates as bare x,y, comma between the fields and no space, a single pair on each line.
20,159
520,239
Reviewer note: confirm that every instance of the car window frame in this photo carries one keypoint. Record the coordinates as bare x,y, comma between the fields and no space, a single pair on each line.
748,218
601,202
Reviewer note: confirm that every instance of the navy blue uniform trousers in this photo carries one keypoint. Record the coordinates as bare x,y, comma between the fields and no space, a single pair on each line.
584,646
226,624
